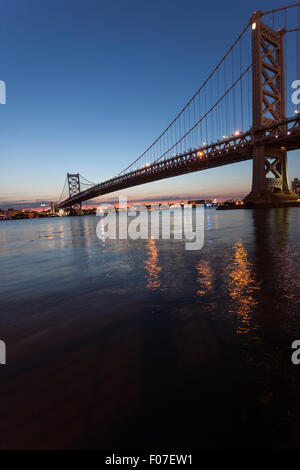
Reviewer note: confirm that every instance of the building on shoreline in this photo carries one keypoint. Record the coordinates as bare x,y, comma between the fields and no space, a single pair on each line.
296,186
17,214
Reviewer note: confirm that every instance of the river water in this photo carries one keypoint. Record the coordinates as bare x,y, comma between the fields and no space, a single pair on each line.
142,344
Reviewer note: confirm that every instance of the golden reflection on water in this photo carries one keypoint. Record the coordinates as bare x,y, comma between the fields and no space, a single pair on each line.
151,266
205,278
241,286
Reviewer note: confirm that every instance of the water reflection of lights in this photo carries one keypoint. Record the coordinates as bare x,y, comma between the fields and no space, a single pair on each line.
241,286
205,278
151,266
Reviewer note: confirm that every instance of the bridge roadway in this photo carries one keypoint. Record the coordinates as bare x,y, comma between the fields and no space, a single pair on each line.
237,148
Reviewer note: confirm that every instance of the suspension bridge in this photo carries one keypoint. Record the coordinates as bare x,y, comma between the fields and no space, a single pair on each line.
240,112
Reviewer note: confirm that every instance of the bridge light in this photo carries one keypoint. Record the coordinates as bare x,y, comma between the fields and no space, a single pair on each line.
201,154
253,26
283,149
236,133
147,164
297,111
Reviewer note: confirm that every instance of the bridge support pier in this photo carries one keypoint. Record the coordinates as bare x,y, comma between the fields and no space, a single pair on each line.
269,181
270,184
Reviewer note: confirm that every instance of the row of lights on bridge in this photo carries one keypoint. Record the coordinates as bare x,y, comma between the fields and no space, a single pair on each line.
235,134
225,137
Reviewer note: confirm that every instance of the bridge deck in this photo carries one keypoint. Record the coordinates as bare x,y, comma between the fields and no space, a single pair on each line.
235,149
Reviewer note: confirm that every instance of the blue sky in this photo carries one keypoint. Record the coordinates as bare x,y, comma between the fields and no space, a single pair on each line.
91,83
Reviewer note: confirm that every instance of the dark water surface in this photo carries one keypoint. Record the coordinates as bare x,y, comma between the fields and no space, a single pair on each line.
138,344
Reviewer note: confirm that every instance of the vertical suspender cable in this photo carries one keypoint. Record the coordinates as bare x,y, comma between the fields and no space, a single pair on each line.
205,104
242,108
285,51
225,100
194,109
200,126
249,105
212,114
298,45
233,91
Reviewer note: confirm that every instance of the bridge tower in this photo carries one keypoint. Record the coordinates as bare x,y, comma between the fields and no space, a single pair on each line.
74,188
270,180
